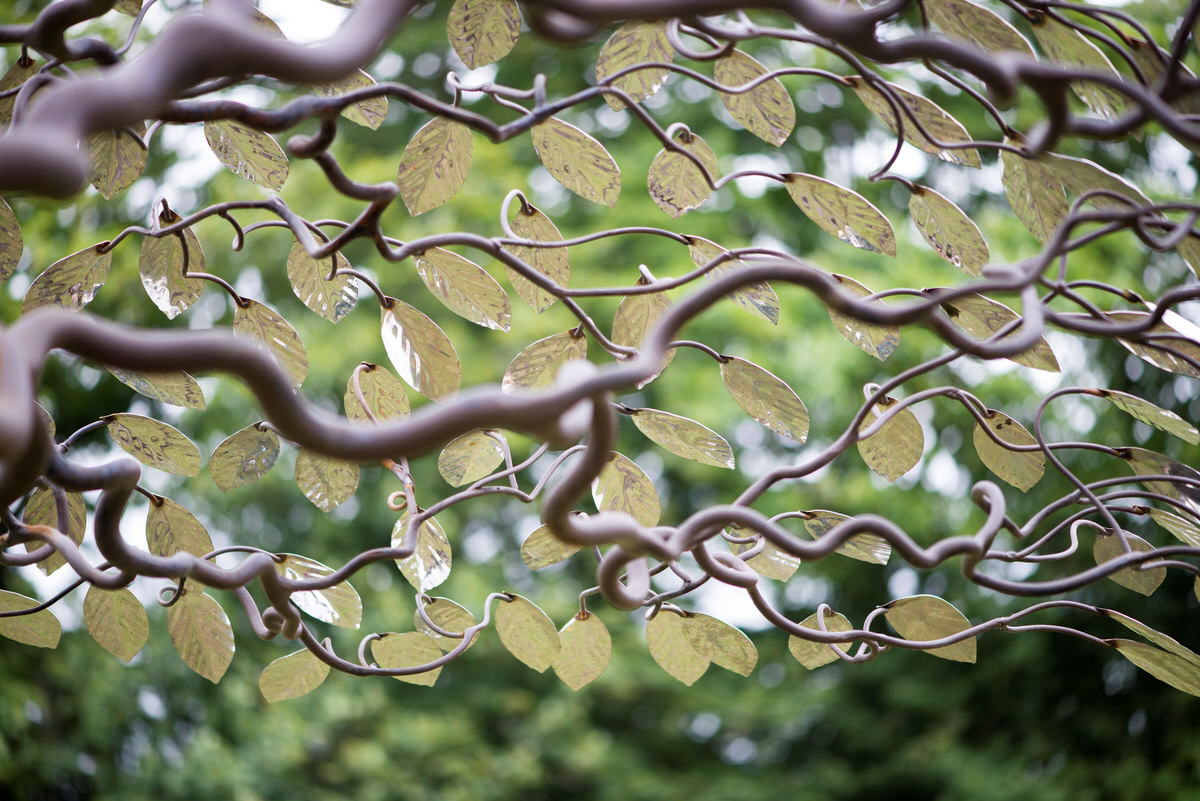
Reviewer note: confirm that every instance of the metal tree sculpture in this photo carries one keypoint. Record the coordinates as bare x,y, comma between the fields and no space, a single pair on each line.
79,110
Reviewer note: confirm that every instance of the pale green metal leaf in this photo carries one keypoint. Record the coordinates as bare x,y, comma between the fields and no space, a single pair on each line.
636,316
155,444
21,70
1035,194
368,113
1022,469
813,655
672,649
384,396
844,213
676,184
435,164
201,634
170,528
948,230
933,118
243,457
766,398
248,153
758,298
767,110
554,263
176,389
42,510
465,288
873,339
292,676
160,263
116,620
967,22
684,437
927,617
542,549
328,483
448,616
1184,529
332,298
869,548
470,457
577,161
12,245
408,650
983,318
1144,582
268,328
483,31
536,366
338,605
586,649
622,486
115,160
429,564
722,644
1181,673
632,44
39,629
70,282
1069,47
420,351
527,633
895,448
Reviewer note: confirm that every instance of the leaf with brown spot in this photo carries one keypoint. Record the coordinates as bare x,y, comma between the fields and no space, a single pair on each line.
839,211
155,444
1022,469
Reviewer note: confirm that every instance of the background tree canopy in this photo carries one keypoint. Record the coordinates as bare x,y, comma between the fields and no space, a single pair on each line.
1027,154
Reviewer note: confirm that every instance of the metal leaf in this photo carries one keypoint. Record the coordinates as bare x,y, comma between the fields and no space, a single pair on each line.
22,70
766,398
1036,196
435,164
171,529
470,457
115,160
1022,469
130,7
724,645
983,318
243,457
876,340
1156,637
758,298
1185,530
385,396
12,244
895,448
332,298
407,650
201,634
974,25
368,113
39,629
932,117
42,510
542,549
338,605
70,282
632,44
268,328
554,263
815,654
465,288
176,389
155,444
949,231
328,483
672,649
1157,351
927,617
248,153
483,31
636,316
684,437
420,351
1067,46
1148,463
116,620
586,649
536,366
622,486
767,110
527,633
1181,673
160,263
1144,582
869,548
448,616
846,214
292,676
770,562
577,161
429,564
676,184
